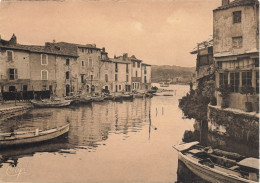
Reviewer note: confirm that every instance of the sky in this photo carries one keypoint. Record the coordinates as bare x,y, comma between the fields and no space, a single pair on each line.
159,32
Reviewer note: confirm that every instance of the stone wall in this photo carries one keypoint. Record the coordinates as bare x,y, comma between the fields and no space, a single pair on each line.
235,124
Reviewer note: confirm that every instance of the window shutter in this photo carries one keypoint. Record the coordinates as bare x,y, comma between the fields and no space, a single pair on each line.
15,74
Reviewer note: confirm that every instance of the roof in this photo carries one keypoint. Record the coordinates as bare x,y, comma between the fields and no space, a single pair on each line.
116,60
89,46
202,45
146,64
236,3
133,58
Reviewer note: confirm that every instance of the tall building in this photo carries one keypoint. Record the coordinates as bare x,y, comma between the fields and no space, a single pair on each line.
236,49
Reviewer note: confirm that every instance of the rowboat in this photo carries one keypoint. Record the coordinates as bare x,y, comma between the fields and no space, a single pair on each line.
51,103
28,137
127,96
215,166
164,93
97,99
164,84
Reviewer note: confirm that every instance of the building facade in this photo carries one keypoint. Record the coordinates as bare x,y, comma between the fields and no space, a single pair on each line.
236,50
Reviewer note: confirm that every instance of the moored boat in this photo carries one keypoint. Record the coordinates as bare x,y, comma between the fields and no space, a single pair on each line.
28,137
97,99
51,103
164,84
215,166
127,96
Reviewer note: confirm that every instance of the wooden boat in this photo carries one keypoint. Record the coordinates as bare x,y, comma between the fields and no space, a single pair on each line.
216,168
127,96
164,84
51,103
97,99
139,95
163,93
27,137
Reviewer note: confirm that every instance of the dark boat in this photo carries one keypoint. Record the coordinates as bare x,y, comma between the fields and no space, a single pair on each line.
51,103
215,165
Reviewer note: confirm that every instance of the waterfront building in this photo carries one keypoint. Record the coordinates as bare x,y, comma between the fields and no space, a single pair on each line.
136,73
32,68
236,50
204,61
146,76
122,73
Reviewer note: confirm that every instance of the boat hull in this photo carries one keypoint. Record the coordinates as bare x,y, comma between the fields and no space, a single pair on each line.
51,105
209,174
34,139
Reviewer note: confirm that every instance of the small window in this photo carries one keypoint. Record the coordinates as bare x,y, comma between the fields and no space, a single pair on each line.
144,79
138,64
82,78
9,56
133,64
106,65
67,61
25,87
91,77
119,87
82,50
44,87
67,75
256,61
127,78
237,42
44,75
220,65
82,63
136,74
12,89
127,70
106,77
236,17
13,74
116,67
115,77
44,59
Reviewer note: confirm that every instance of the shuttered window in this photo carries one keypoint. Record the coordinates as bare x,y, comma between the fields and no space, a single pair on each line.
234,81
247,78
9,56
44,59
44,75
13,74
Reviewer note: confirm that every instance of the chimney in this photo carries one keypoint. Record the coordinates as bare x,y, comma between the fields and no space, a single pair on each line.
125,56
225,2
104,49
114,55
13,40
54,41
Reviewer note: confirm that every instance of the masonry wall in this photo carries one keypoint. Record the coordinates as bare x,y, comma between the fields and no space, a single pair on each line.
234,124
224,29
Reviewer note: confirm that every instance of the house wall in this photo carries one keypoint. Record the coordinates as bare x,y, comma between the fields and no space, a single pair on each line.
107,68
224,29
21,63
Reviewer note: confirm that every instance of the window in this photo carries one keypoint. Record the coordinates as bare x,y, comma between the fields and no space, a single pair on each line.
133,64
50,88
44,87
223,78
116,67
127,71
106,77
12,88
82,78
256,61
119,87
136,74
234,81
82,63
91,77
90,62
220,65
82,50
67,61
9,56
247,78
127,80
13,74
237,42
138,64
25,87
144,79
145,69
44,75
67,75
257,82
236,17
44,59
115,77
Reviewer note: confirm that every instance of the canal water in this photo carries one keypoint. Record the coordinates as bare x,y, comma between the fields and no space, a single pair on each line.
107,142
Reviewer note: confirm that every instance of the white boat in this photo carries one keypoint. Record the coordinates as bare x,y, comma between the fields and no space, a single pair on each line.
164,93
51,103
164,84
207,165
27,137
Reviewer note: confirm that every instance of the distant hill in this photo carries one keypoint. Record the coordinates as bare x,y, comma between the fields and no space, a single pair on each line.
174,74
